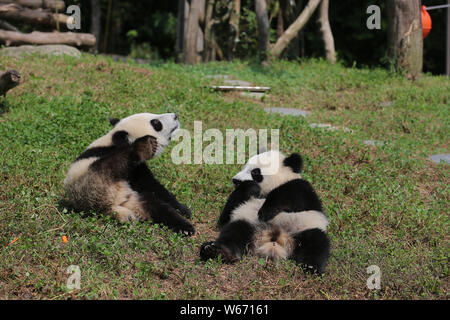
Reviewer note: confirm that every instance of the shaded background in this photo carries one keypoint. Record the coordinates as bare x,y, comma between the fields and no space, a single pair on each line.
147,29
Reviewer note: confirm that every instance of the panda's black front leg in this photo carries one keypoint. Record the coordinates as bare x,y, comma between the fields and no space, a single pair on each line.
118,162
142,180
268,212
243,192
234,240
277,200
120,138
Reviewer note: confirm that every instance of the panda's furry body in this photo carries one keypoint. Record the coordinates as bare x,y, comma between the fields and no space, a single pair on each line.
274,213
111,175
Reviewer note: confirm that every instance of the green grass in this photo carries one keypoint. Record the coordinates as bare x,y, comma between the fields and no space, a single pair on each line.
388,206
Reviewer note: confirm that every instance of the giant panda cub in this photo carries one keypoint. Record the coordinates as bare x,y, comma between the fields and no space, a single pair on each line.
274,213
111,175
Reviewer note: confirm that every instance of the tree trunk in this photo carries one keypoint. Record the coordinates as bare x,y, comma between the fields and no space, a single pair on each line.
263,26
193,35
17,13
327,35
289,11
280,22
234,28
85,40
96,17
8,80
183,10
44,4
405,42
294,28
209,53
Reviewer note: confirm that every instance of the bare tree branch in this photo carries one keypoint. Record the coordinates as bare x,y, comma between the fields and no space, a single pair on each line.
294,28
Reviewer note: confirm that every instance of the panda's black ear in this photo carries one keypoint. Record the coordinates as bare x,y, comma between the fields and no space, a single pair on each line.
113,121
295,162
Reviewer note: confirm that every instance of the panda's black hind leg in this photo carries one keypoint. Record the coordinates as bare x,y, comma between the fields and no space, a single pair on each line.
142,180
164,213
312,250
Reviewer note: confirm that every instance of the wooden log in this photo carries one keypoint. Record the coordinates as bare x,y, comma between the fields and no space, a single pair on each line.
8,80
44,4
15,12
84,40
240,88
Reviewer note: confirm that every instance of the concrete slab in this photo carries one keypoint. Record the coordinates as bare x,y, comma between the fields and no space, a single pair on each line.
287,111
438,158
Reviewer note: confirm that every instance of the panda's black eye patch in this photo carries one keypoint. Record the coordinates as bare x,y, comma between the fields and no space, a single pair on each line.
156,124
256,175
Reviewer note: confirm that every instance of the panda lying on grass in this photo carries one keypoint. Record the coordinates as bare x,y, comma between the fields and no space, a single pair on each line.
274,213
111,175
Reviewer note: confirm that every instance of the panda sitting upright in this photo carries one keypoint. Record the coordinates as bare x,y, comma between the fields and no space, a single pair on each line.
274,213
111,175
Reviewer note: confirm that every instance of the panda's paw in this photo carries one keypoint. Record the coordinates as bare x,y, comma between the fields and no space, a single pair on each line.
212,250
209,250
145,147
184,211
187,229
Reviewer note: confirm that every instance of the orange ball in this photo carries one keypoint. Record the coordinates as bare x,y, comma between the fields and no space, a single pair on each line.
426,22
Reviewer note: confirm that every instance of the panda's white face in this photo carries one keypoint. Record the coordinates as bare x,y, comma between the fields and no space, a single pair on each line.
160,126
269,170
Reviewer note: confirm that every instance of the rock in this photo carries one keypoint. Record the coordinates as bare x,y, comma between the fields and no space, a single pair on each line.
329,127
55,50
287,111
322,125
374,143
386,103
438,158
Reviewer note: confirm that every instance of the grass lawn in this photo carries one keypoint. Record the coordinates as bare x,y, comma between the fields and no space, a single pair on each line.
388,205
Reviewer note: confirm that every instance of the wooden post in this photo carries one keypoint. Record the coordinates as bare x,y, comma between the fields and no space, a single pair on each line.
405,41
